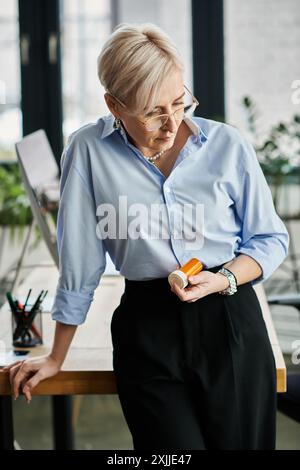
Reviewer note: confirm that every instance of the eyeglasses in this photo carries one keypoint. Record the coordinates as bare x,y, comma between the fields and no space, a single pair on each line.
156,122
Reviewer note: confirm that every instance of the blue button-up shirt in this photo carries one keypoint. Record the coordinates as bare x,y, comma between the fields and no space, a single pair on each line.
102,173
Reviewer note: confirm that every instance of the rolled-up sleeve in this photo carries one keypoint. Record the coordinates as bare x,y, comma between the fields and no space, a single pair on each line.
264,236
82,255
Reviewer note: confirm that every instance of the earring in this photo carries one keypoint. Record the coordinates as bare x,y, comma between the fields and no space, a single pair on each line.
117,123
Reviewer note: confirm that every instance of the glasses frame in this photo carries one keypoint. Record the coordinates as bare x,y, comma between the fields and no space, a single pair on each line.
166,116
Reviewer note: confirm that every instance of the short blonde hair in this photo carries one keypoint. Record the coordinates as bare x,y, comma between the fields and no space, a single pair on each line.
134,62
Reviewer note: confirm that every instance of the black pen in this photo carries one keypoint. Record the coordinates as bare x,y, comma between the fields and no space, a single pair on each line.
24,307
34,310
11,302
41,300
46,292
36,303
18,318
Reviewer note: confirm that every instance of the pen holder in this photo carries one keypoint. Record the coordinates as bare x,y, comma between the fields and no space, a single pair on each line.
27,328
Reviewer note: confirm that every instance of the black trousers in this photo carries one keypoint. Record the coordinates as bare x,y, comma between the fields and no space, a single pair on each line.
197,375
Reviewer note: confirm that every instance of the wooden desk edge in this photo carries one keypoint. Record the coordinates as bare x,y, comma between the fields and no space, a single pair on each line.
277,353
103,382
94,383
281,380
70,383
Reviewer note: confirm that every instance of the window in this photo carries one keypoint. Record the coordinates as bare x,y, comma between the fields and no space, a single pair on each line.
85,25
173,16
10,88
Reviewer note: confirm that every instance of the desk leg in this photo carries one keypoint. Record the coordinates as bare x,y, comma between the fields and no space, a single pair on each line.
62,422
6,423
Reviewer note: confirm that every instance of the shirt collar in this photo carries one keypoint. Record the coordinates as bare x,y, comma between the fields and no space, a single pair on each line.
108,128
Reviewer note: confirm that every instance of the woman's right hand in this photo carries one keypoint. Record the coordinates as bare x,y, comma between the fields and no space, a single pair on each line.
25,375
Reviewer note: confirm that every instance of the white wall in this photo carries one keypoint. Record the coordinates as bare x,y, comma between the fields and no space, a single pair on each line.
262,57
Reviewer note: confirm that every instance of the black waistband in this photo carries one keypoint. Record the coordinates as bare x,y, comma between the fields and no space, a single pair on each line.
161,281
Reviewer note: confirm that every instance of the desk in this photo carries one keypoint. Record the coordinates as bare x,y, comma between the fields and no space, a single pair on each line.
279,360
88,365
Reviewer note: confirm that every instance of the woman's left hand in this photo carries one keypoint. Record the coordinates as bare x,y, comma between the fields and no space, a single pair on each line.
200,285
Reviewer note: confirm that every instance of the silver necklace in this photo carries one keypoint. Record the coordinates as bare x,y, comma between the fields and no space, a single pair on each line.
152,159
155,157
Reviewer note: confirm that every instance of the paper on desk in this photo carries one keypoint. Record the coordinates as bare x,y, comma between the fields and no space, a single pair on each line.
9,357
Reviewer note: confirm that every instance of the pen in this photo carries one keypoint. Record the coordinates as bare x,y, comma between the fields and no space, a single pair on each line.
40,301
27,299
36,303
33,312
24,320
11,302
46,292
18,320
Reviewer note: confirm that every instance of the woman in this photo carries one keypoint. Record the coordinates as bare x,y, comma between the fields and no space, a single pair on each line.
194,366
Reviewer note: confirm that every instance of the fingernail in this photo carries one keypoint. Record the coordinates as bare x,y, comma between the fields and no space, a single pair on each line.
191,278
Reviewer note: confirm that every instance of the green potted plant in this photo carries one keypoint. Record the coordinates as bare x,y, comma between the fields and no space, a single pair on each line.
278,151
15,211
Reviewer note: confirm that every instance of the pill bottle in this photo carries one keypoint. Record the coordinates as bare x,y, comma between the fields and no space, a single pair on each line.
180,276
